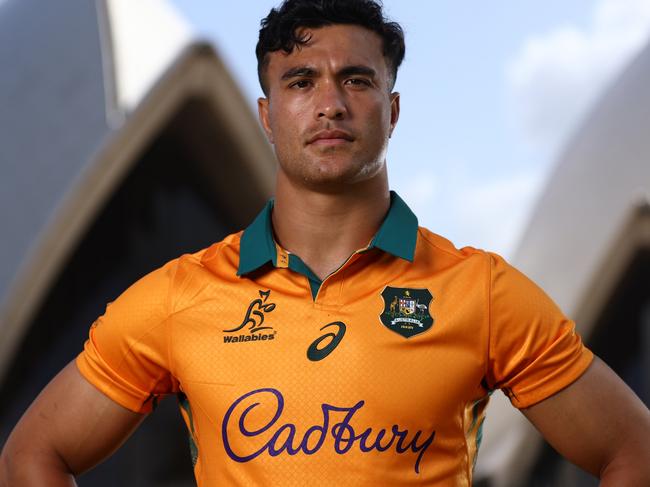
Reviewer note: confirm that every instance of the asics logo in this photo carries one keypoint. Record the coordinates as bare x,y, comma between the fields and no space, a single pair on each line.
316,352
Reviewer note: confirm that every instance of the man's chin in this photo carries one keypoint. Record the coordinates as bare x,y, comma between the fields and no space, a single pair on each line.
336,179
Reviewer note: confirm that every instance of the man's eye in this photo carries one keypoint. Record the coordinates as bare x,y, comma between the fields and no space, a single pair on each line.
302,83
357,82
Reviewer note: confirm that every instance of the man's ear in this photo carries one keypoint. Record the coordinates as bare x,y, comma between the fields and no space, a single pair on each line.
394,110
263,113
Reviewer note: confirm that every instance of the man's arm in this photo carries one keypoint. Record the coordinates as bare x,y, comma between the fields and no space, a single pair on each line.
69,428
599,424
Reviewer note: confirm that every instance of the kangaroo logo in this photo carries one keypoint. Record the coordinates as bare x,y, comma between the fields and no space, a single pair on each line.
255,314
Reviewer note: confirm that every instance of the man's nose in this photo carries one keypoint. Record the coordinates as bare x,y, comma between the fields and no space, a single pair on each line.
331,103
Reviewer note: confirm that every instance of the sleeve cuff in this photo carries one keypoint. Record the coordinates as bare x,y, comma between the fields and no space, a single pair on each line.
96,371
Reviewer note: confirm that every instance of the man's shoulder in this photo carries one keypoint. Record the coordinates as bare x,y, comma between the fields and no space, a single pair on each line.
432,242
188,277
216,255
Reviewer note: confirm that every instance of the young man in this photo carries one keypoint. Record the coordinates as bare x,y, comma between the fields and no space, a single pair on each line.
333,342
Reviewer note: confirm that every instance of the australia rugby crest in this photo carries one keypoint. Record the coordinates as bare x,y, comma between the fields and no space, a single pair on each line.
406,310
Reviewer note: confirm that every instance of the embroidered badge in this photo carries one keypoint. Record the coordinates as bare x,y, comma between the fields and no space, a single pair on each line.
254,319
406,310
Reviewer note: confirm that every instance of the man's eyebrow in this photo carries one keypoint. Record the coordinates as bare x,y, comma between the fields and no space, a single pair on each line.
357,70
299,71
310,72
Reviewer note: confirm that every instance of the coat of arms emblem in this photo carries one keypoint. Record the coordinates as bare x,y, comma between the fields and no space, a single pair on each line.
406,310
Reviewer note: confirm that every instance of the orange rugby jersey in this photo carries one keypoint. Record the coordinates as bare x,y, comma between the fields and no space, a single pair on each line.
378,375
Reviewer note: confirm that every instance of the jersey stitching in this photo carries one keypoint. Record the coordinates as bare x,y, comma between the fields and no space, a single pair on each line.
488,352
211,421
172,312
197,437
153,383
467,460
114,371
441,249
340,286
198,263
167,328
130,352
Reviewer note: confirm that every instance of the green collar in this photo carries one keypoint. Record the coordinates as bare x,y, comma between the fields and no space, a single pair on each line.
397,236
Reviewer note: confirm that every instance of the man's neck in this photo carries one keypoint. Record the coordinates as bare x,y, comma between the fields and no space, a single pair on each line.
324,229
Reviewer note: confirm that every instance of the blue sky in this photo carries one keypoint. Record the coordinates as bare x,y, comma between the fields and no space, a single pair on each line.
489,92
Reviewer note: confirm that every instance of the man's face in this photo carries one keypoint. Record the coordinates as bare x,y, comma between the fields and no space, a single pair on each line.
329,111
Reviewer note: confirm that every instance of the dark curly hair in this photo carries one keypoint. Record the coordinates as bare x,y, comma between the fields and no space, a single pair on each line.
279,30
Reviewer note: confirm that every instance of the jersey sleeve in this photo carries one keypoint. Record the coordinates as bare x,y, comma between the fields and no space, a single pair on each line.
534,350
126,355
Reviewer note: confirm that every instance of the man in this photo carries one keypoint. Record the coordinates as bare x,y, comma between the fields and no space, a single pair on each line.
333,342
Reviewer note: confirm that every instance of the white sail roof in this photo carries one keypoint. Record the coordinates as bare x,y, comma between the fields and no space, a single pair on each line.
85,95
145,37
589,221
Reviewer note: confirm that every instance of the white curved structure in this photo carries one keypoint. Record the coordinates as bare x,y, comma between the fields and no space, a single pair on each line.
145,38
590,221
86,93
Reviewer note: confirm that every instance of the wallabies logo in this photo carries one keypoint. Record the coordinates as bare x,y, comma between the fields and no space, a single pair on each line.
254,319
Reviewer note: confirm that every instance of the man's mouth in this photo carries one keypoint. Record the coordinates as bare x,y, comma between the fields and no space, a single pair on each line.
330,137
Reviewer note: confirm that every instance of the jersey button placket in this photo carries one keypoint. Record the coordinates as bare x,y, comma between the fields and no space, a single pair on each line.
331,288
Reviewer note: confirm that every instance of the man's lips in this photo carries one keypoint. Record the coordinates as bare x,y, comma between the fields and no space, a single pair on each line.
330,137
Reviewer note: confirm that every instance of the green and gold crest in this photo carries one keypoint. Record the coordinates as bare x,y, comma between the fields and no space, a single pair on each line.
406,310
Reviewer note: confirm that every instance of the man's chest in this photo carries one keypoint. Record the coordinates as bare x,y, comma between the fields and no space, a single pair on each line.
407,353
390,372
